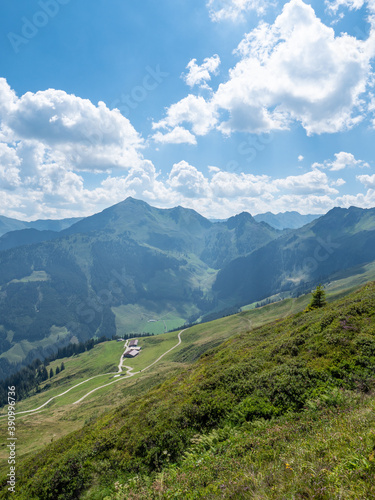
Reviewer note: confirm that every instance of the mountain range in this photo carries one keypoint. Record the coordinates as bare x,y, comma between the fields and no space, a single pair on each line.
7,224
298,260
286,220
126,268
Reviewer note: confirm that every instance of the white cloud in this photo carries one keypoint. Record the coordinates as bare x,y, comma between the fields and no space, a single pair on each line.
49,190
314,182
342,160
300,158
191,109
9,167
334,5
233,10
231,185
212,168
140,182
367,180
294,70
187,180
46,139
83,136
178,135
200,75
339,182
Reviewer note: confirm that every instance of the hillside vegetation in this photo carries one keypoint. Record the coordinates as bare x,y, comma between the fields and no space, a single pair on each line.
60,417
280,411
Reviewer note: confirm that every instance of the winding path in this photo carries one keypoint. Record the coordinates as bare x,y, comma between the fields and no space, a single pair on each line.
120,365
129,373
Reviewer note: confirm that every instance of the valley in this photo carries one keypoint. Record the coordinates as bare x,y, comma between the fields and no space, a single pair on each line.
84,373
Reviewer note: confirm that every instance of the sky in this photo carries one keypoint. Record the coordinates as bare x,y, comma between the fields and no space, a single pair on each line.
222,106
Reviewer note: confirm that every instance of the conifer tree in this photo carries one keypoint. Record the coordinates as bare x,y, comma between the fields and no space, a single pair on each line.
318,298
44,374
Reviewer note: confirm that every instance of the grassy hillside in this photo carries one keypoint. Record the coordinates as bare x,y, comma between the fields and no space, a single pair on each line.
325,452
256,417
60,417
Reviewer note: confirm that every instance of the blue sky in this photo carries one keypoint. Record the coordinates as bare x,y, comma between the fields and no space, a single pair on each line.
217,105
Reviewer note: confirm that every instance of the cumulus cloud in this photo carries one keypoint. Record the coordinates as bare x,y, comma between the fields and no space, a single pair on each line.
192,109
334,5
231,185
315,182
140,182
233,10
223,193
294,70
9,167
338,182
342,160
367,180
178,135
49,190
200,75
84,136
47,139
187,180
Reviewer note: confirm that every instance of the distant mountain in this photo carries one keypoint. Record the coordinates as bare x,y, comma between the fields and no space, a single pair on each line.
238,235
130,255
341,239
52,224
7,224
286,220
179,230
22,237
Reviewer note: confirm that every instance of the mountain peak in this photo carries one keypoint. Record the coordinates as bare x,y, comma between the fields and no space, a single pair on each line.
240,219
129,201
